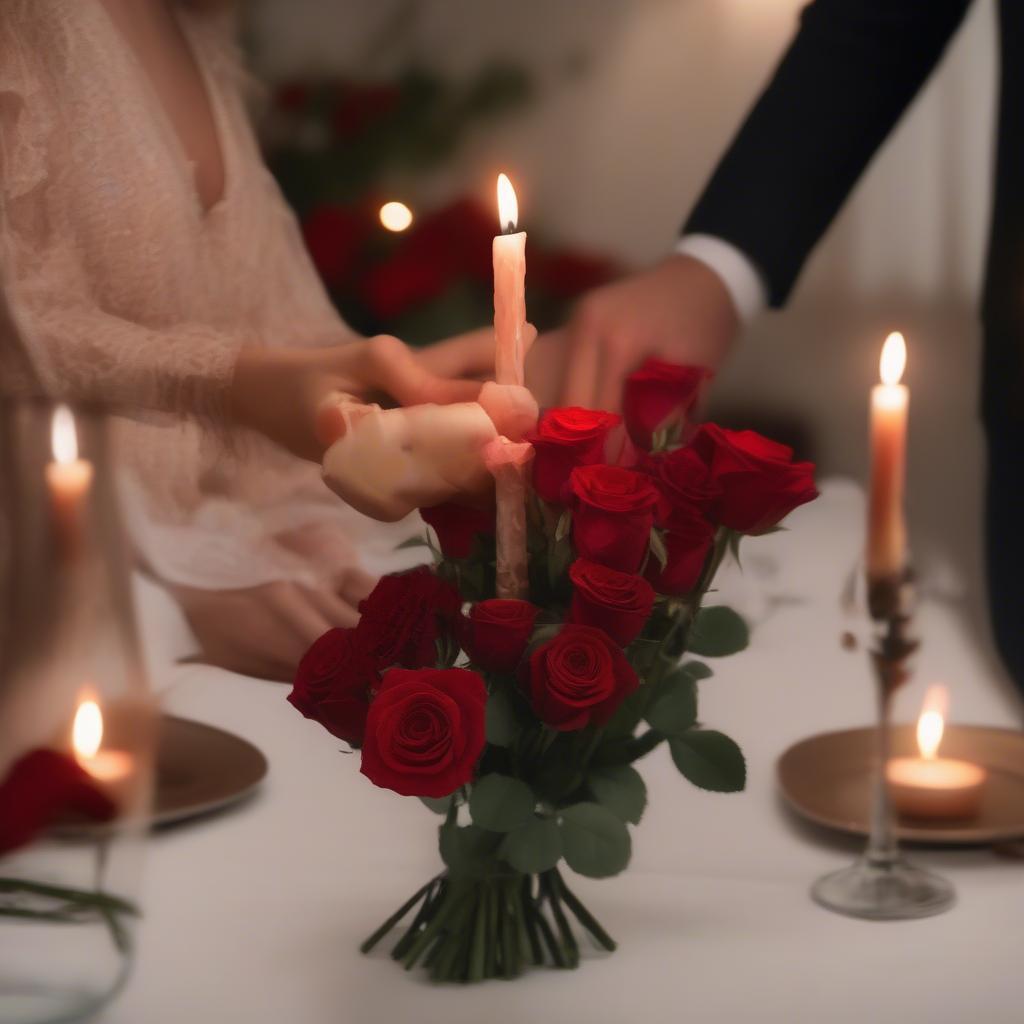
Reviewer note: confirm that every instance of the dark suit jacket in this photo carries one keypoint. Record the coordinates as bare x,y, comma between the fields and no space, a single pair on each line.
844,82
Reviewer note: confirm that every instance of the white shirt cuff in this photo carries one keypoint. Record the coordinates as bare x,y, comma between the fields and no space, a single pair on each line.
741,278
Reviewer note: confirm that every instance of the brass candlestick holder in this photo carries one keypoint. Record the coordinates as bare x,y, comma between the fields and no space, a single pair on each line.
882,885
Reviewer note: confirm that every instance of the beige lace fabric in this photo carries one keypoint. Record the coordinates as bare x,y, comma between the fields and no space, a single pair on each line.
127,292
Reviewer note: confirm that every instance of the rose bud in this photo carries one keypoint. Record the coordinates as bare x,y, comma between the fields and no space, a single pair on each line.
613,512
688,542
566,438
617,602
579,678
425,731
334,684
760,483
659,395
496,633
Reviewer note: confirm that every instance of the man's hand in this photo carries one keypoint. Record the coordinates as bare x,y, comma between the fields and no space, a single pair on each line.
678,310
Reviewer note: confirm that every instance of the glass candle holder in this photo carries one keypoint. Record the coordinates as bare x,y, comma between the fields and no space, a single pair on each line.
77,722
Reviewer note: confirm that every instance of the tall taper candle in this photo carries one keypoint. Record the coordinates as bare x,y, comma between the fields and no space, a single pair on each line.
887,532
508,461
509,254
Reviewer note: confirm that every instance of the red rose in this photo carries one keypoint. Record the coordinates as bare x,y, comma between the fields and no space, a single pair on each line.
425,731
456,526
659,394
617,602
564,439
688,542
579,678
42,787
334,684
613,512
334,237
760,483
685,483
404,617
497,631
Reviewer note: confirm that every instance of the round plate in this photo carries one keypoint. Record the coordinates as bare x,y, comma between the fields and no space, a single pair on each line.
827,779
201,769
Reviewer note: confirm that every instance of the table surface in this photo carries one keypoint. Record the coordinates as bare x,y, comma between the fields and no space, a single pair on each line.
255,915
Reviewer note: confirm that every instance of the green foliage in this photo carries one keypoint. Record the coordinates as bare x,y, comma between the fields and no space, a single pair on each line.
696,670
621,789
674,708
717,632
467,850
533,847
710,760
501,720
501,803
439,805
595,842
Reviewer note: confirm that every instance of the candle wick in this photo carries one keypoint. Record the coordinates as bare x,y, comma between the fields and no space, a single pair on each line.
510,228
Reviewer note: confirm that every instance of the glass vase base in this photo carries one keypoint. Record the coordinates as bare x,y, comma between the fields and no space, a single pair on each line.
891,890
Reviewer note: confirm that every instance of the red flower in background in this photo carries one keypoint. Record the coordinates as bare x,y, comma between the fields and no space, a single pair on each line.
457,526
334,684
566,438
567,274
497,631
613,512
42,787
759,481
335,236
425,731
617,602
404,617
292,96
360,106
393,288
659,394
579,678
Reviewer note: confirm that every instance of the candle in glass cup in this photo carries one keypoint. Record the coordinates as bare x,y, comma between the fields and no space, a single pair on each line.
112,770
887,532
509,255
68,479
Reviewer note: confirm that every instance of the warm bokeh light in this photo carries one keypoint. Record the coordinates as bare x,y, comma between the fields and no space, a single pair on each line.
395,216
932,722
87,730
894,359
508,205
63,438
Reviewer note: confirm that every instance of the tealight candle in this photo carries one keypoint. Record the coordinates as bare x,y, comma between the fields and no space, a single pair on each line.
112,770
930,786
68,479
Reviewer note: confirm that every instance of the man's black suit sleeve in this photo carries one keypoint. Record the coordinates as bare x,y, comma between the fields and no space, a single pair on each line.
845,80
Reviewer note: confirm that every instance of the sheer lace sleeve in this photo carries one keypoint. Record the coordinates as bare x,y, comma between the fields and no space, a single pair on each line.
74,340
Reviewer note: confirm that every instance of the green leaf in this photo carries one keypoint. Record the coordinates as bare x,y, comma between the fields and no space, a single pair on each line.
696,670
501,803
414,542
595,842
734,546
533,847
564,525
674,709
627,716
658,548
500,720
717,632
559,560
710,760
467,850
621,789
439,805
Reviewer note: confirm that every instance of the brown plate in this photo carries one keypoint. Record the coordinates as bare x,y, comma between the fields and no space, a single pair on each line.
827,779
201,769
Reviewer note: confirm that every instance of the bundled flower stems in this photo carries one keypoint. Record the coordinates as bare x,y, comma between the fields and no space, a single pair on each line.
518,708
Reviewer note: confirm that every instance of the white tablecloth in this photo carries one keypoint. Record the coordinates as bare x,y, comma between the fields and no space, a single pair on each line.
255,916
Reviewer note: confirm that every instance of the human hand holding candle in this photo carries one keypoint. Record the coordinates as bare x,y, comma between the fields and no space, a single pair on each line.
68,479
887,535
930,786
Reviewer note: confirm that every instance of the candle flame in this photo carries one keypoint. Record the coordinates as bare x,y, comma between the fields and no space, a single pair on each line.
87,730
932,722
395,216
508,205
894,358
63,436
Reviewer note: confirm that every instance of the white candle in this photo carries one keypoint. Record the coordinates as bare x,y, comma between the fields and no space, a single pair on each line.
930,786
887,533
112,770
68,479
509,254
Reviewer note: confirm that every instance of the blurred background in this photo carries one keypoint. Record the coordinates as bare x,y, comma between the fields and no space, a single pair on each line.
609,116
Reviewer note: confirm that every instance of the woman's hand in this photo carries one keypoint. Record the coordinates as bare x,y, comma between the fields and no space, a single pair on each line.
278,392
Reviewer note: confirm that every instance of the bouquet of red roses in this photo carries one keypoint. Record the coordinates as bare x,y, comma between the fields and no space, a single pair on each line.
520,721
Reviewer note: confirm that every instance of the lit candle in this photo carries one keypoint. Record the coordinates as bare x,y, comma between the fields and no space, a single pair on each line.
509,253
887,533
930,786
68,478
112,770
